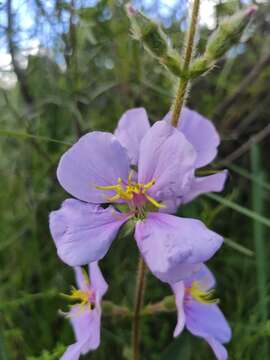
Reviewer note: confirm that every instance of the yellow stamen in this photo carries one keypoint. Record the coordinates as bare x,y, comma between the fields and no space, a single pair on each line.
109,187
205,297
81,297
127,191
149,184
114,198
154,202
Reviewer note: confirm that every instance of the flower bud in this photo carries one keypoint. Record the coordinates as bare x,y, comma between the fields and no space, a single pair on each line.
171,60
169,303
154,40
199,66
148,32
228,34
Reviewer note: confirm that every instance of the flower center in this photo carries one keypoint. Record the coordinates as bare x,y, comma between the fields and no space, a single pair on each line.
81,297
131,192
205,297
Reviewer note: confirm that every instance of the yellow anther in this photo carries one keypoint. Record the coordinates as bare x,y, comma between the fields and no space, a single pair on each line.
127,191
205,297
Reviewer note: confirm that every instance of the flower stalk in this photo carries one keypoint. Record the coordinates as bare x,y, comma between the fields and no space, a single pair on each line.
139,295
184,81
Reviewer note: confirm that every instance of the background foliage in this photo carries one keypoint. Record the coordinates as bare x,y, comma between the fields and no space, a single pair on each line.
87,72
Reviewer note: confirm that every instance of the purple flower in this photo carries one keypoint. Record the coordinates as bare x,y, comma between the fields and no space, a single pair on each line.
198,311
146,171
85,317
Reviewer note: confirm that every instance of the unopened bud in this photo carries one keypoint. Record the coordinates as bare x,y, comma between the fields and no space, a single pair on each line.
228,34
199,66
169,303
148,32
154,40
171,60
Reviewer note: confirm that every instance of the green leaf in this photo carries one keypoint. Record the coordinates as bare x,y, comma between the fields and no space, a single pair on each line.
241,209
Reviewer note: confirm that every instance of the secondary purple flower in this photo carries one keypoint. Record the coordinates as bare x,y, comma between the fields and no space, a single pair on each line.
85,317
198,311
99,169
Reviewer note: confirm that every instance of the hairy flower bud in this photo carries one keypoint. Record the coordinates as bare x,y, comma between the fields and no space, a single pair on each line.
199,67
148,32
154,40
169,303
171,60
228,34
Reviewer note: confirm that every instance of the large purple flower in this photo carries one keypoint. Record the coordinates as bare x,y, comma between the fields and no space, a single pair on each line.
85,317
146,170
199,312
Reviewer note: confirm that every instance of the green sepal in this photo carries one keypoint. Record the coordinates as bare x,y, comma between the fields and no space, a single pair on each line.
228,34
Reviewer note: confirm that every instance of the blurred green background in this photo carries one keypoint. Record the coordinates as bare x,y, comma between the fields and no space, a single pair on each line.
70,66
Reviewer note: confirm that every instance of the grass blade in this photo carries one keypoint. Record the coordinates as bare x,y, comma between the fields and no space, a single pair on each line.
241,209
238,247
259,239
245,173
24,135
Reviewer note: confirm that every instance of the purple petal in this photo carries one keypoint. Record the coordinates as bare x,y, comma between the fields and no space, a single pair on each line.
218,349
97,280
81,281
171,205
73,352
204,277
83,232
208,322
201,133
179,292
174,247
96,159
167,157
201,185
86,326
130,130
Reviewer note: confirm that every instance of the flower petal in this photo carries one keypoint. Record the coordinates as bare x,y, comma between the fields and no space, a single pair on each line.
208,322
168,158
174,247
96,159
73,352
81,281
204,277
97,280
179,292
201,133
86,325
130,130
218,349
201,185
83,232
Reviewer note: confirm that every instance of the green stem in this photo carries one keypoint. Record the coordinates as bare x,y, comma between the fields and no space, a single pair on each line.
184,82
139,295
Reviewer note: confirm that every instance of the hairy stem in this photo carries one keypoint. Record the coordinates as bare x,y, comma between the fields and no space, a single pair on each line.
139,294
184,82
